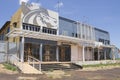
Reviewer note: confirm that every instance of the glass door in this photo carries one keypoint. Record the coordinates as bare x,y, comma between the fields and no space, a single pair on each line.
49,53
65,53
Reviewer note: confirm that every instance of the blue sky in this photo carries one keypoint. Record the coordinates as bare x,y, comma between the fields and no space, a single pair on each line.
103,14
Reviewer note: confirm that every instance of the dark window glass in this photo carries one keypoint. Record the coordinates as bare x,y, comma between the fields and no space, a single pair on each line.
55,32
44,30
15,24
76,35
50,31
47,30
33,28
73,34
38,29
8,30
30,28
108,42
24,26
0,37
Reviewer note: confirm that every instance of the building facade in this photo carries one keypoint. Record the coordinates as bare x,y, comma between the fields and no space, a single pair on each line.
44,35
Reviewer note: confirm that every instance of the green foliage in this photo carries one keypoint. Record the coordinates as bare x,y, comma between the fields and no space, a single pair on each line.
118,59
10,67
101,65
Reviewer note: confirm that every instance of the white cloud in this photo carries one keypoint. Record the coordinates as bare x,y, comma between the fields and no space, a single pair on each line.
20,1
59,4
36,4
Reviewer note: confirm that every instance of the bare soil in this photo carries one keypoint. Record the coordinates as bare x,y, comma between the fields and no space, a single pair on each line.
96,74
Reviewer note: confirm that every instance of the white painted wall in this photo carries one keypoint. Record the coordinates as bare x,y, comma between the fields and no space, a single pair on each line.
88,54
80,54
74,52
77,55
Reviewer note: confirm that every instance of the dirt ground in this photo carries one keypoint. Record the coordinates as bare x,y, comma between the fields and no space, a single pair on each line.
105,74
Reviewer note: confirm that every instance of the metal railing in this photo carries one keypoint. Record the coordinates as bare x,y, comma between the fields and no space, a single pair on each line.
33,61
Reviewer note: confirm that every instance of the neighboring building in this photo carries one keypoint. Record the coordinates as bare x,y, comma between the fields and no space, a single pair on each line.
45,35
4,30
116,52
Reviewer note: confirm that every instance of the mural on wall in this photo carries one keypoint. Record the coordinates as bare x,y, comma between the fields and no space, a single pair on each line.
33,14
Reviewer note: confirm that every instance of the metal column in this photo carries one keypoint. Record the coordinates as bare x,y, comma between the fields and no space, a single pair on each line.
57,53
22,49
41,46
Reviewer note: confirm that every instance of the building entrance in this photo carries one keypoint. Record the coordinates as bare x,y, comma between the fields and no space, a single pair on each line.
64,53
49,53
31,49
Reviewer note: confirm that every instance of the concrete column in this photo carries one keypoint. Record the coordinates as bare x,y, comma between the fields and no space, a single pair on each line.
57,53
113,54
41,50
98,54
92,53
105,54
41,28
22,49
81,31
83,51
88,54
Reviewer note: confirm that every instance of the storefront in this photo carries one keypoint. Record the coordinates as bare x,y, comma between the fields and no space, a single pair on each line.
49,51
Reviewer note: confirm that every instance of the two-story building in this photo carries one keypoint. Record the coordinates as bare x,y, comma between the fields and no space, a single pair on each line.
48,37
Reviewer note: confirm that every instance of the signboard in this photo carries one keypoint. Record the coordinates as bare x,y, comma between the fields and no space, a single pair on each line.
34,14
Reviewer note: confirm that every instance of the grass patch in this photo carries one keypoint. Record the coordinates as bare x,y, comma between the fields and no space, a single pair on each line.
101,65
118,59
10,67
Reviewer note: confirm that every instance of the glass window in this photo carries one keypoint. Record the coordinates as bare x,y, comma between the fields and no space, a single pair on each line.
33,28
15,24
38,29
0,37
24,27
8,29
30,28
50,31
76,35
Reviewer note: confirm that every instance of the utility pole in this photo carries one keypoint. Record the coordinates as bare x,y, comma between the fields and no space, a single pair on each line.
58,6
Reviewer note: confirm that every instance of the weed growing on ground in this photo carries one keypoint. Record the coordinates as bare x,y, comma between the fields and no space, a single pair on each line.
101,65
10,67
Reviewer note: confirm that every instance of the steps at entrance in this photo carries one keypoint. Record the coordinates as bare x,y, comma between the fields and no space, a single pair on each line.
58,66
27,69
